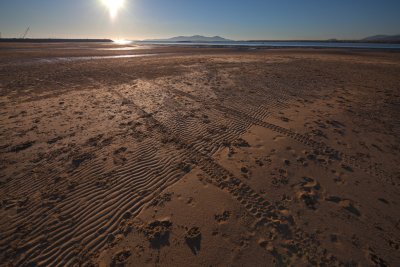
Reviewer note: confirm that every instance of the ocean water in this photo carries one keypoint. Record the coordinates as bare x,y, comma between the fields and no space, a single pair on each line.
281,44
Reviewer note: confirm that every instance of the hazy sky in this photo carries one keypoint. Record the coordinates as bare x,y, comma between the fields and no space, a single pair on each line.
234,19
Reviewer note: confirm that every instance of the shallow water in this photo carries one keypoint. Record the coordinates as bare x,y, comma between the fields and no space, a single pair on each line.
50,60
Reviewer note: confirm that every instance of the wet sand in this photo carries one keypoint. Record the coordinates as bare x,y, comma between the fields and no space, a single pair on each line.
198,156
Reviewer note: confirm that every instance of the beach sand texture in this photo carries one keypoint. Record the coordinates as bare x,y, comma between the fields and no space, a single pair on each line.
199,157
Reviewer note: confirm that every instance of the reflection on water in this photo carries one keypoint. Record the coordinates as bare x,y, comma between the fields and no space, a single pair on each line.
48,60
126,48
68,59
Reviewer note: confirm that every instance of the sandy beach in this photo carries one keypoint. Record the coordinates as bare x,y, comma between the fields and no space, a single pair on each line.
187,156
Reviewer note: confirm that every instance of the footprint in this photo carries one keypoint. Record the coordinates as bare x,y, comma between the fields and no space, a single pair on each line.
377,260
193,239
284,119
344,203
222,217
280,177
120,258
309,192
161,199
77,161
157,233
240,143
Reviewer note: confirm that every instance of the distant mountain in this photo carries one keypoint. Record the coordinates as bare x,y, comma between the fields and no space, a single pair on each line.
194,38
383,38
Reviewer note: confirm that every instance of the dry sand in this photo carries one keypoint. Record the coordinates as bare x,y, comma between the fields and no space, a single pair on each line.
198,157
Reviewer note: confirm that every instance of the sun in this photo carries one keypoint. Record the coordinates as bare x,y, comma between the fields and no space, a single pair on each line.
113,6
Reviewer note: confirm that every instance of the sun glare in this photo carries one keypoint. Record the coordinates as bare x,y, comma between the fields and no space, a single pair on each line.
121,42
113,6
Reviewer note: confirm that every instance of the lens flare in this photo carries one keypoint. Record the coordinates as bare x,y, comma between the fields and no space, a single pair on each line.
113,6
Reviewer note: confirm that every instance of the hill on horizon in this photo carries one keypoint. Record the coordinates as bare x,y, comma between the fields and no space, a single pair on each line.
382,38
200,38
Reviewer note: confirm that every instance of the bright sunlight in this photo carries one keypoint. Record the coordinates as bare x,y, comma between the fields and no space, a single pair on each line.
113,6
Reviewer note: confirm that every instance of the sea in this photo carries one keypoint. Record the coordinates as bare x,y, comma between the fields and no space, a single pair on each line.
278,44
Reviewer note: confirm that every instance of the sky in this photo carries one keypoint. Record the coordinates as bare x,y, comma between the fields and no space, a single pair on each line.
233,19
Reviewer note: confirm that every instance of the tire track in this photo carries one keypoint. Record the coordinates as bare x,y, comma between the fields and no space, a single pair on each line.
322,148
70,222
267,214
73,228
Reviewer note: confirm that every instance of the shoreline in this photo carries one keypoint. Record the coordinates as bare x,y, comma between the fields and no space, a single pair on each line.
358,45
